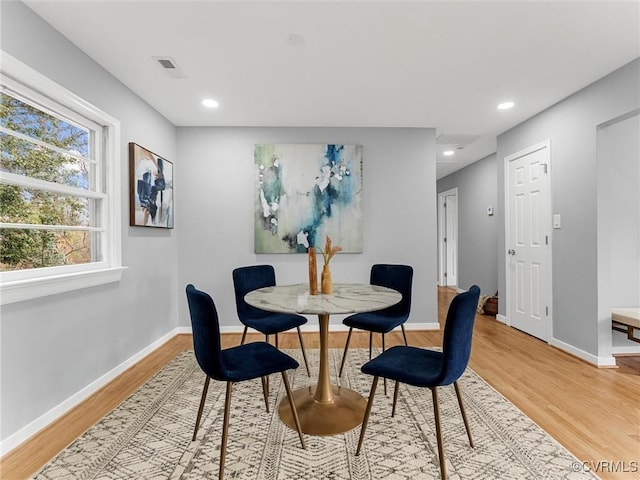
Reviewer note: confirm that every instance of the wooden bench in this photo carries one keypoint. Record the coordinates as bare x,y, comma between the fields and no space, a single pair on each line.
626,320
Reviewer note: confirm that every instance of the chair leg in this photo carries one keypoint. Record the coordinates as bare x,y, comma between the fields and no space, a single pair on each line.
244,336
225,431
367,412
404,334
304,355
277,340
436,413
294,411
344,355
464,413
265,392
384,380
396,390
370,344
202,400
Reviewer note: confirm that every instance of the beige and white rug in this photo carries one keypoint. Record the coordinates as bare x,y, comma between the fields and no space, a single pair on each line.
149,435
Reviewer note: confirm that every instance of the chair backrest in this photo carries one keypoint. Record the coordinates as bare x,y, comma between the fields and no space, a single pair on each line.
398,277
206,333
458,333
247,279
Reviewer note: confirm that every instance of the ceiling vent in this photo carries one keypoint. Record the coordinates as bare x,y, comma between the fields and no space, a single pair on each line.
456,138
170,66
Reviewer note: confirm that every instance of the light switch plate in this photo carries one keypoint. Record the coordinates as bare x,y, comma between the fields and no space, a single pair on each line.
556,221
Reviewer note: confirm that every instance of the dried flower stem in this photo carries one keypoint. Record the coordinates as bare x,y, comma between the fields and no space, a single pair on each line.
329,251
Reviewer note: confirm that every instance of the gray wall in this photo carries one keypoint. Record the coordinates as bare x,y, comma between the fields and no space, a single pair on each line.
618,220
477,232
53,347
571,126
216,231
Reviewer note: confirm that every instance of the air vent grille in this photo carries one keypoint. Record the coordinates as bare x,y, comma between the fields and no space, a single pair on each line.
166,63
170,67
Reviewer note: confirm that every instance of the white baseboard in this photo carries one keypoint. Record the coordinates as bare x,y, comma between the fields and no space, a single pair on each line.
15,439
598,361
603,362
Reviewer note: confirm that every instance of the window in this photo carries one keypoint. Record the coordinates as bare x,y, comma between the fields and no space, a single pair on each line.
59,188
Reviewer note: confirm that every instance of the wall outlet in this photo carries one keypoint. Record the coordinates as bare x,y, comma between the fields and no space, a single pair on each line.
490,211
556,221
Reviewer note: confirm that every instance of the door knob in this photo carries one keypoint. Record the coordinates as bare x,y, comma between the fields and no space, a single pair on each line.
511,251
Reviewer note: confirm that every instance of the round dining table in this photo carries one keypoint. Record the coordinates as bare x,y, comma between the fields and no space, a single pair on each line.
324,408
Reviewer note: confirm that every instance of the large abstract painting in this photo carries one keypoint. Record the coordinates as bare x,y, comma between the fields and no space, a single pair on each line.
305,192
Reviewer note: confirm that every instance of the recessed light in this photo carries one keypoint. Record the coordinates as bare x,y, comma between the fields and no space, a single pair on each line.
448,153
505,105
210,103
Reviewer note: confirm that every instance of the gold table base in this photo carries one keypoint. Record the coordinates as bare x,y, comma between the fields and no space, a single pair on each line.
343,412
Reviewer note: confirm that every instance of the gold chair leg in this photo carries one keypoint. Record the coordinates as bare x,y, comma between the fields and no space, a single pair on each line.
201,407
265,392
384,380
404,334
244,336
294,411
225,431
436,413
344,355
304,355
464,413
367,412
396,390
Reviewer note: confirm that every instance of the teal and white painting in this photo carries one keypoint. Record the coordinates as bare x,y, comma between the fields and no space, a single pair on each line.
304,192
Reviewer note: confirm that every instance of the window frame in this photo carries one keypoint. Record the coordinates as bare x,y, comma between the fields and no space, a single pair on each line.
20,285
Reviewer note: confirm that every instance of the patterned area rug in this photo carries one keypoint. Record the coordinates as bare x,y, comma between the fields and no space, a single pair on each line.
149,435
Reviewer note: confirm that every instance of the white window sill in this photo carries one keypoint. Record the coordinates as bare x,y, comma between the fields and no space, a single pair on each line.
21,290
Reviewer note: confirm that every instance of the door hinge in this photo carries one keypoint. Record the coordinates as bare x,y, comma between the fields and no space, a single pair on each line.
445,239
546,239
545,168
547,311
445,274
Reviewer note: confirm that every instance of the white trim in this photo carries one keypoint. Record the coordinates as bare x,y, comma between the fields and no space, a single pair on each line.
14,440
28,289
608,361
503,319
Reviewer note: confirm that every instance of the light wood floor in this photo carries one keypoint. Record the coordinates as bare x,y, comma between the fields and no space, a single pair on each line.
594,413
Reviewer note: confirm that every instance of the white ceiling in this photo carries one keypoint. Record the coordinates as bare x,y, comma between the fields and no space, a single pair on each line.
361,64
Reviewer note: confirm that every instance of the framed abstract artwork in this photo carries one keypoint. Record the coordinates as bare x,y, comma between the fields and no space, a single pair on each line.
150,189
304,192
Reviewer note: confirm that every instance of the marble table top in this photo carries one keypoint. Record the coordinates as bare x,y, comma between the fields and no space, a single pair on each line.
346,298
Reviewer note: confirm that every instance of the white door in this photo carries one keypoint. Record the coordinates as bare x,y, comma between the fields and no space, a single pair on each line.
451,238
529,241
448,237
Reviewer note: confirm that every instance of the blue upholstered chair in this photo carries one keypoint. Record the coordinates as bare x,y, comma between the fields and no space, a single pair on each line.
428,368
398,277
247,279
245,362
